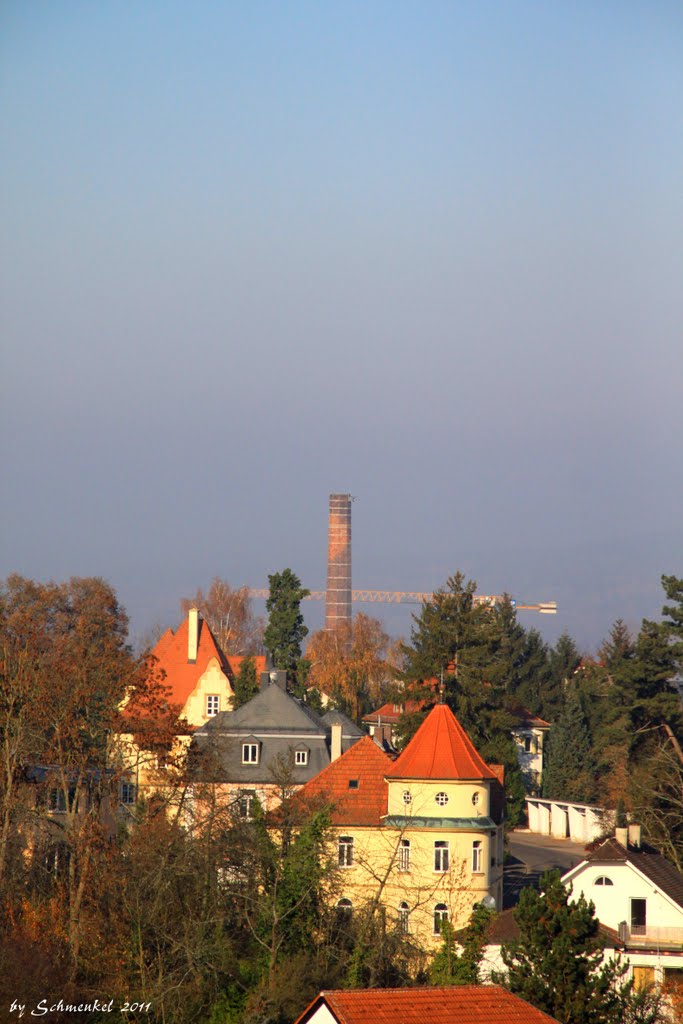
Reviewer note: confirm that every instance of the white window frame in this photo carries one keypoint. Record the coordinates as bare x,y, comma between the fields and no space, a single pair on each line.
250,753
128,790
441,916
477,857
441,798
404,918
404,855
213,704
246,798
345,851
300,758
441,856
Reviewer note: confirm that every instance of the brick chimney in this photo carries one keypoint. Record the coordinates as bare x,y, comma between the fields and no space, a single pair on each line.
192,634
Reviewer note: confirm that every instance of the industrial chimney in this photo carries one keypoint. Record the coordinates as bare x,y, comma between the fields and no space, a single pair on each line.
338,595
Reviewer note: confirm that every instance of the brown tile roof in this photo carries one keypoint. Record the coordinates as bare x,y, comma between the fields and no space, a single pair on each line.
460,1004
388,713
504,928
648,860
440,749
528,718
354,785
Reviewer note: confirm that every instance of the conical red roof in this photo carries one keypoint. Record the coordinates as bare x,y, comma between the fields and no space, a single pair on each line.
440,749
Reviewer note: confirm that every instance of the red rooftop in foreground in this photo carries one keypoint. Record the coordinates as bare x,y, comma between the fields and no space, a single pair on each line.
460,1004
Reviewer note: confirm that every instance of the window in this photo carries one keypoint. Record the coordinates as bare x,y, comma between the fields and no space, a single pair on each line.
441,799
475,799
404,917
246,802
476,856
643,977
250,753
345,851
354,783
440,856
407,796
301,758
603,880
440,917
404,855
638,917
213,704
527,744
56,799
344,906
128,794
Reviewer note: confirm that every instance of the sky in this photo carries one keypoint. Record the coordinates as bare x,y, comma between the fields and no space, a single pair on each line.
428,254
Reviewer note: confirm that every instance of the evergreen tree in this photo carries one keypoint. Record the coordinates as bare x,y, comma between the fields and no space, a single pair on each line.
557,963
286,630
246,683
570,766
564,661
457,963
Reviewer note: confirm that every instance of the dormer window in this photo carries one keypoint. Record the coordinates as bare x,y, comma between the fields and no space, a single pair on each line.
354,783
250,753
301,758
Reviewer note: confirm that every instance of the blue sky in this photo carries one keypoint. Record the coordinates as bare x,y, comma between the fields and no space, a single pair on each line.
429,254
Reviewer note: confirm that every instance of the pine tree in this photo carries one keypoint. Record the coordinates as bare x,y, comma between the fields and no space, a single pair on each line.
246,683
286,630
570,766
557,963
457,963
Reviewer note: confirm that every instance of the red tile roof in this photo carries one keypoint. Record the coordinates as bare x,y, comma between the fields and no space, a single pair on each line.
388,713
460,1004
181,675
440,749
364,804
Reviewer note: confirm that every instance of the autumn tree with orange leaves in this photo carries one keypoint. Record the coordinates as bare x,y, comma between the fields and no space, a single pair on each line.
351,664
230,617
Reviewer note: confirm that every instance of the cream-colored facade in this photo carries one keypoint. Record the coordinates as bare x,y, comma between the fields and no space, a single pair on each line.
424,867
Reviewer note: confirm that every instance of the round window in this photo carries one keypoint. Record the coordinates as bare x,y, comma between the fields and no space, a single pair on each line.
441,799
475,799
407,796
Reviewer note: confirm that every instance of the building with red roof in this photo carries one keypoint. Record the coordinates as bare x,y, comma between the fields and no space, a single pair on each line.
423,833
458,1004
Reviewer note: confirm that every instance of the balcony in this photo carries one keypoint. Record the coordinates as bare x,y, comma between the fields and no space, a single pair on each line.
647,936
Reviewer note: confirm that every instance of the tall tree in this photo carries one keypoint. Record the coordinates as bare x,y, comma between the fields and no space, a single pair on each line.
570,767
246,683
557,964
230,617
286,629
349,664
457,963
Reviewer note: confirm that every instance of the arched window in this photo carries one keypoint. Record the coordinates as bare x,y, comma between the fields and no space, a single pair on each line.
603,880
344,906
440,917
403,917
404,855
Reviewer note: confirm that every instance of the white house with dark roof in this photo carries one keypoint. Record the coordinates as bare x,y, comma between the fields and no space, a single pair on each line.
639,895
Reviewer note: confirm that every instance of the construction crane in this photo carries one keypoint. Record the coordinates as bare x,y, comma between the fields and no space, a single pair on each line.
417,597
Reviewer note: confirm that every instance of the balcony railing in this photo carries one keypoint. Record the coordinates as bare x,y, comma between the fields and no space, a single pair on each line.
650,935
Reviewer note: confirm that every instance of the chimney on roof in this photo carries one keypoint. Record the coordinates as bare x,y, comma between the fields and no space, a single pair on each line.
621,836
278,677
335,741
634,836
192,634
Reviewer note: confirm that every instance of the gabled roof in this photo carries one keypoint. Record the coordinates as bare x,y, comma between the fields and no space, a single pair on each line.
182,675
459,1004
388,713
504,928
440,749
272,710
527,718
354,785
646,859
